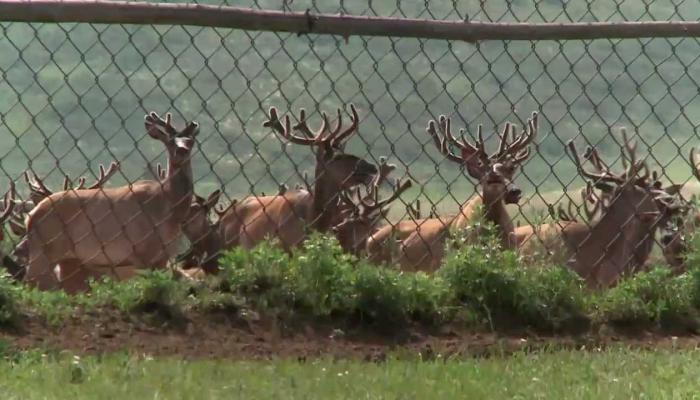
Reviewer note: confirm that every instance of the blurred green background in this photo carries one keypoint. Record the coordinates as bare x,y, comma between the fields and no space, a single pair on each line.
74,95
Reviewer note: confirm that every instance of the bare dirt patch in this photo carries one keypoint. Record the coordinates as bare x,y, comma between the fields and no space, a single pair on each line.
220,336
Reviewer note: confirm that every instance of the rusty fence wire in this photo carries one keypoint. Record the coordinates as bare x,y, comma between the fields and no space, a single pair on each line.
74,96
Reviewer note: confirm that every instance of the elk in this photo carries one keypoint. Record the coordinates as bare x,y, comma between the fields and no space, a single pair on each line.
135,225
362,213
203,235
677,230
613,244
38,191
287,216
536,241
422,241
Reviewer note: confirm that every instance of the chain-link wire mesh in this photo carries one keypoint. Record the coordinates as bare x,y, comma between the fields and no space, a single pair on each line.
73,96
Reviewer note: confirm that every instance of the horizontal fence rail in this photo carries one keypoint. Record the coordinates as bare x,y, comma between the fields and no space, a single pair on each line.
119,12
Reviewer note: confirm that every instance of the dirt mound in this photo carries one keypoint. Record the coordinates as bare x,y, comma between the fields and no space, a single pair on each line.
220,336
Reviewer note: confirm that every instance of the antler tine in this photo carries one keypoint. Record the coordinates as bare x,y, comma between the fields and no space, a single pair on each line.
503,140
36,186
303,127
330,135
695,162
562,215
587,196
285,130
630,146
106,174
282,189
601,176
593,156
355,122
162,173
347,199
519,149
8,203
67,184
166,123
81,183
442,138
401,187
441,142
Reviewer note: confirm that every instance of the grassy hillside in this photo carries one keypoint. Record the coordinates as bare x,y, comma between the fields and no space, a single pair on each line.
75,95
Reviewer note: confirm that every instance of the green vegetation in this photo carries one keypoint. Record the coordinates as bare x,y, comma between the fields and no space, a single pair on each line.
610,374
479,286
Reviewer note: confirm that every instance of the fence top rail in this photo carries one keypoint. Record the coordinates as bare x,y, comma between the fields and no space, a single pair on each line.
141,13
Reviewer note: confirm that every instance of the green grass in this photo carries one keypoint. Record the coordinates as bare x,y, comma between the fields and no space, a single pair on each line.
609,374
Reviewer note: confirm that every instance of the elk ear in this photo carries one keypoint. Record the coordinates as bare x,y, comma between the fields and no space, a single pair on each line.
604,186
474,170
673,189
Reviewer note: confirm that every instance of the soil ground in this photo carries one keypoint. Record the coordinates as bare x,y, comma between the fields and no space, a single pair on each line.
220,336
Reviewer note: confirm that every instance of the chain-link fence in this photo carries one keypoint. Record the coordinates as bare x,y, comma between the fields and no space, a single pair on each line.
73,96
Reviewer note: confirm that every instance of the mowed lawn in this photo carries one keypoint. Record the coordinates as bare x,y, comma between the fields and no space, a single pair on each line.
611,374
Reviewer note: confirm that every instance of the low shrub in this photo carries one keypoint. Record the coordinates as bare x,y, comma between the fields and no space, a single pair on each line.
9,302
647,298
495,285
153,291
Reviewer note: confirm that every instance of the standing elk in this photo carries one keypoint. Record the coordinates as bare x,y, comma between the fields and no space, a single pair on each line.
421,242
38,191
286,217
136,225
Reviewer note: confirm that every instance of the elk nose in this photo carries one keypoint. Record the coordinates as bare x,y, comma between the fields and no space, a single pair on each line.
666,239
515,192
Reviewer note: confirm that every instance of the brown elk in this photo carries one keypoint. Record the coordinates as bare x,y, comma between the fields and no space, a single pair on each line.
287,216
38,191
136,225
674,240
615,242
421,242
537,243
363,213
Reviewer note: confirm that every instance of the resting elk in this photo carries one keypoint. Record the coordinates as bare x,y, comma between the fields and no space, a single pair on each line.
136,225
363,213
674,241
286,217
421,242
616,241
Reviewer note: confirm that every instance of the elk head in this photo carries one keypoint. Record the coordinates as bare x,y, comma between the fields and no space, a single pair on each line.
201,232
178,142
495,172
332,163
363,214
335,170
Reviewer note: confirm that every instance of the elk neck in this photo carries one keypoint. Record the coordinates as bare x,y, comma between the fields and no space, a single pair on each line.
325,198
178,187
494,211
